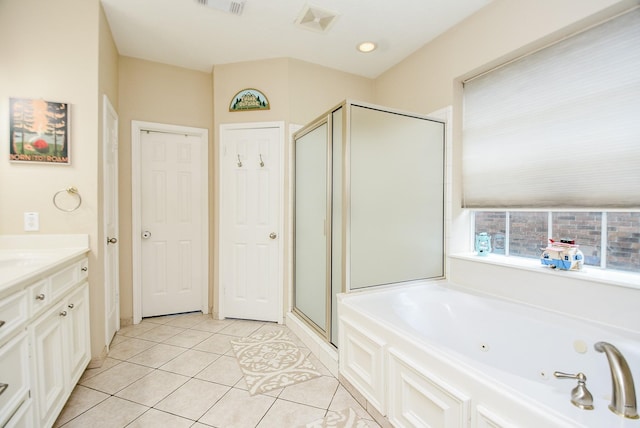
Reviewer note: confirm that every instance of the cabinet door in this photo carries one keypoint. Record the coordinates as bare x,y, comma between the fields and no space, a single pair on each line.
77,328
49,366
14,375
418,397
23,418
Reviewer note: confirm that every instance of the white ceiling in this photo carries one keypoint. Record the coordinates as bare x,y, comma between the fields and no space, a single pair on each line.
187,34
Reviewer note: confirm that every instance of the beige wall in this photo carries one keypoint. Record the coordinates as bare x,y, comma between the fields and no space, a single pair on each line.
49,50
152,92
313,90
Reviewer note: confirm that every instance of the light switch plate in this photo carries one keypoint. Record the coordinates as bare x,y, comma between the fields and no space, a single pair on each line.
31,222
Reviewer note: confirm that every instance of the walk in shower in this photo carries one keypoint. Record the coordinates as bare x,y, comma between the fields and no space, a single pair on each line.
369,206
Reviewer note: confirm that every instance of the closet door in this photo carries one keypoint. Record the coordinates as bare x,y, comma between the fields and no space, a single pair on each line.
312,226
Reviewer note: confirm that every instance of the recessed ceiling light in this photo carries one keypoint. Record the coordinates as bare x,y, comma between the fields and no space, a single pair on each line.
366,47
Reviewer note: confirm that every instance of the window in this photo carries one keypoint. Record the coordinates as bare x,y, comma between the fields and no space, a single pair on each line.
525,233
550,147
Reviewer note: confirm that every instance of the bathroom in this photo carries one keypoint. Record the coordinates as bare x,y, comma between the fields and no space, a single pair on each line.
89,65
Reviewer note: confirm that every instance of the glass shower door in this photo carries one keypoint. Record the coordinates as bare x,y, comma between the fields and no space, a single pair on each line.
312,228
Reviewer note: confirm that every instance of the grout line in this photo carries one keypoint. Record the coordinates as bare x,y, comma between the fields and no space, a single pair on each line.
229,353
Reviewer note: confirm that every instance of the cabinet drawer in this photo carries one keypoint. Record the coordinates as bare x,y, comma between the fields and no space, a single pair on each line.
61,281
39,296
13,314
23,418
14,375
84,268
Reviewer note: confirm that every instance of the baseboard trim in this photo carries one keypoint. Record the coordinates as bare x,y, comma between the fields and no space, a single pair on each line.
96,362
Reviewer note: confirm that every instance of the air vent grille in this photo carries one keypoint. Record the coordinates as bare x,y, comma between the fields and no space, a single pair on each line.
316,19
228,6
236,7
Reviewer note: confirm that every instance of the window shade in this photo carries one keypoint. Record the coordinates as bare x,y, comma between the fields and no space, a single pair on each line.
559,128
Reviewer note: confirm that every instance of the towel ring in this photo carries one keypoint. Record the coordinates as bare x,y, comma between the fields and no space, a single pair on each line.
71,191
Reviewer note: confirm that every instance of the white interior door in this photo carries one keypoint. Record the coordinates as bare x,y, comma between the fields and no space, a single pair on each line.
172,233
251,250
110,191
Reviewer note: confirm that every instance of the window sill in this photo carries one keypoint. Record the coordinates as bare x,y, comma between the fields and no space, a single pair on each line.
588,273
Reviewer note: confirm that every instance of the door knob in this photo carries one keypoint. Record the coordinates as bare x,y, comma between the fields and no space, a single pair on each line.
273,235
111,240
146,234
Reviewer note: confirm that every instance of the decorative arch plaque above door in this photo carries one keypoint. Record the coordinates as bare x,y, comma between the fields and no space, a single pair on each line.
249,99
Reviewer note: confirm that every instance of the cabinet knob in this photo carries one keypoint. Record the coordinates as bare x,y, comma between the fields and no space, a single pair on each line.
40,296
111,240
70,306
3,386
1,323
84,269
63,313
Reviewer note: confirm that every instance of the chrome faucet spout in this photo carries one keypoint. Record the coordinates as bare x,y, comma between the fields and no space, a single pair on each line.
623,397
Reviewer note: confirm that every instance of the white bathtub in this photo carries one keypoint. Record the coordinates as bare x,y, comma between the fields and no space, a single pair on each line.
427,355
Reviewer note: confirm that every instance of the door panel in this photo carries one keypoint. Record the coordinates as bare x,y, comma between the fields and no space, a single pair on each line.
110,177
251,249
171,205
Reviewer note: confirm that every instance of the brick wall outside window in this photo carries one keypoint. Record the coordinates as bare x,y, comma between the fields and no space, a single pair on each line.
528,233
623,241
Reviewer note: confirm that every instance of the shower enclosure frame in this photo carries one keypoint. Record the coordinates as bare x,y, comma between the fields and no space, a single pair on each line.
338,209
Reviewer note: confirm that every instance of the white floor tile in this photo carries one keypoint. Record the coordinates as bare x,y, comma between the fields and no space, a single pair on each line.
117,377
238,409
157,355
218,344
188,338
113,412
224,370
190,363
288,414
152,388
192,399
81,400
316,392
155,418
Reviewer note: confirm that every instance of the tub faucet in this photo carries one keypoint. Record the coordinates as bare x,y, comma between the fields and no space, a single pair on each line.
623,397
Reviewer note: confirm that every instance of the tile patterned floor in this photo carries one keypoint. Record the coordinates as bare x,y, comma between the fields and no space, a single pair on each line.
180,371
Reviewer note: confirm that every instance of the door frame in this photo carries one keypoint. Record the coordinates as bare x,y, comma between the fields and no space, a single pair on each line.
136,206
108,110
281,211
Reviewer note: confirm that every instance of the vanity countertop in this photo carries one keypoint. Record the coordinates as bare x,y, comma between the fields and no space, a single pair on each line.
26,258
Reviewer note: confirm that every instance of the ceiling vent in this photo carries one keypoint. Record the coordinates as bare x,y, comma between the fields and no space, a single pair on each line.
234,7
316,19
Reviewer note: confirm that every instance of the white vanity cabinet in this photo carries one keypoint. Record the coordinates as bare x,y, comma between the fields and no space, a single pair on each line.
44,340
60,353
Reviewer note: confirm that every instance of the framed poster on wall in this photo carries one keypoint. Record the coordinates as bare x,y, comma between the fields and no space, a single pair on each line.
39,131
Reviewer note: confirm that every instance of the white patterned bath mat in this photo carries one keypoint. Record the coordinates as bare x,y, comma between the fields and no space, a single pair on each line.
271,360
344,419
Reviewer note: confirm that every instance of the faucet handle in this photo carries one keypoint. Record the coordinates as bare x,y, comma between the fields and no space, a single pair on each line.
580,395
561,375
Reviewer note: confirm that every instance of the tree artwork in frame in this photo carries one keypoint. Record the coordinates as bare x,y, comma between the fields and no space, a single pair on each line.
39,131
